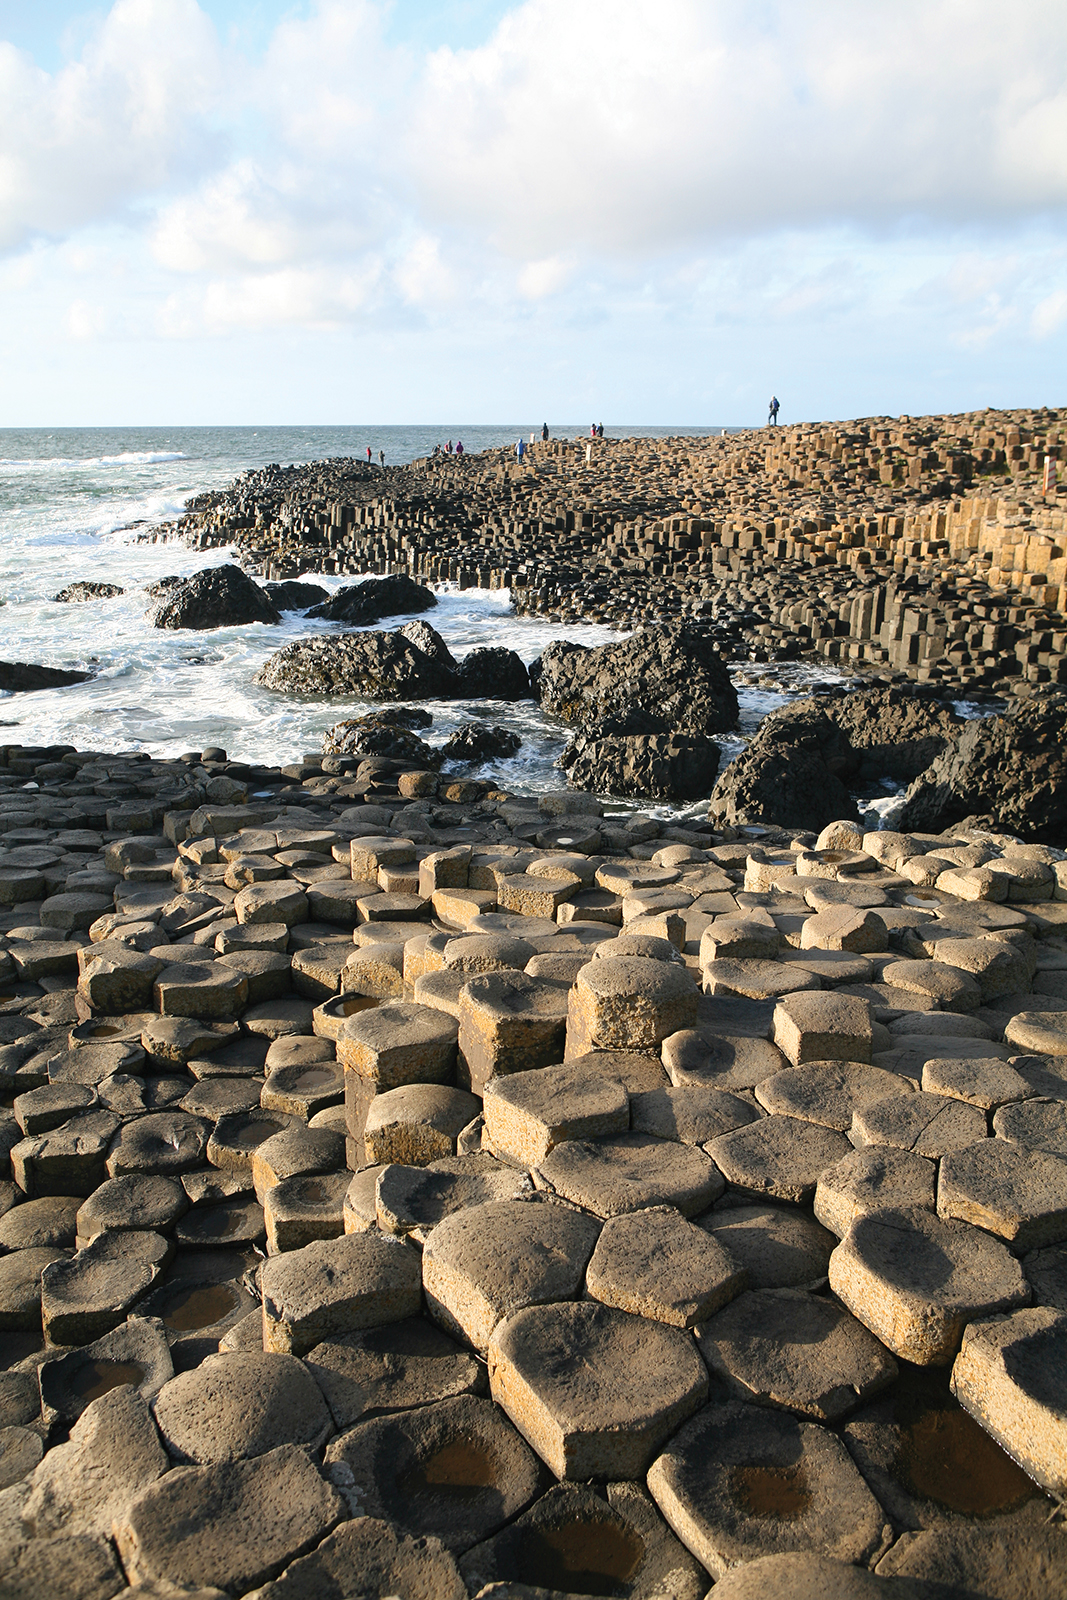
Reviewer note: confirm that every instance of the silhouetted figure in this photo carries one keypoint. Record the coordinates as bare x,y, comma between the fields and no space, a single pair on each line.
544,430
772,413
381,458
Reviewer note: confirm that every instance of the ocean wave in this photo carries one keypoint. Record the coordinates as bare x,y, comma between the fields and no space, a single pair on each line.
129,458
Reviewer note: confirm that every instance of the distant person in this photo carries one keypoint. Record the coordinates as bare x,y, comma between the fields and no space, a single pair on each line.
520,449
459,447
448,448
381,458
544,430
592,430
600,430
368,455
437,449
772,413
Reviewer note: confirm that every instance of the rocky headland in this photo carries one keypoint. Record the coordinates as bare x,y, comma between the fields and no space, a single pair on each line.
409,1187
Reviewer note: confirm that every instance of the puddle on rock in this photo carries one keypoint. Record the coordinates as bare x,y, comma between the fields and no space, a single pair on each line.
201,1307
103,1032
460,1470
943,1455
780,1492
219,1222
96,1378
351,1003
253,1134
315,1078
598,1557
314,1192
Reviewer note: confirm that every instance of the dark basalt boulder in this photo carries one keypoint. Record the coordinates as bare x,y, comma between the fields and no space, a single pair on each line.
378,736
218,597
480,741
292,595
795,771
21,677
672,673
429,641
494,673
76,592
1008,773
653,766
372,665
375,598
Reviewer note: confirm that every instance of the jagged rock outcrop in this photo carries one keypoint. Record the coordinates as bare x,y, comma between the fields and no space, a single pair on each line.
1008,773
379,736
23,677
673,674
373,665
495,673
895,733
76,592
478,741
293,595
219,597
375,598
656,766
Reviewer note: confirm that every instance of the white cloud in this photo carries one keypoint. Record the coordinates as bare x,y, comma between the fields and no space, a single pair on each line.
1049,314
85,321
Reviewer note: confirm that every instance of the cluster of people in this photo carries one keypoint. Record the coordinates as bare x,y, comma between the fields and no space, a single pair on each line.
448,450
596,430
381,457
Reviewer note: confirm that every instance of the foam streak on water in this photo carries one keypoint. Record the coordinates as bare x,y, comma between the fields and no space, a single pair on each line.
71,505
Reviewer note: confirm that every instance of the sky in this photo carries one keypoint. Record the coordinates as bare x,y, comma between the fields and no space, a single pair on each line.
398,211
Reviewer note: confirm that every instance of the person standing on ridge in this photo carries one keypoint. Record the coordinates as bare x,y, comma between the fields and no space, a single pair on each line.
368,455
520,450
772,412
381,459
459,447
544,430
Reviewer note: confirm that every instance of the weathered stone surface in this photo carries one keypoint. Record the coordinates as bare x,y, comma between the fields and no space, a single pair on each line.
169,1142
739,1482
656,1264
1019,1194
1034,1124
926,1124
393,1368
509,1022
873,1178
779,1246
488,1261
232,1407
719,1060
337,1286
1018,1563
788,1349
417,1123
691,1114
828,1092
87,1296
135,1353
399,1043
366,1557
588,1542
69,1567
781,1157
455,1471
300,1209
528,1113
234,1524
412,1201
218,597
136,1202
629,1171
669,674
629,1003
595,1390
985,1084
375,598
371,665
1011,1375
112,1455
48,1223
916,1280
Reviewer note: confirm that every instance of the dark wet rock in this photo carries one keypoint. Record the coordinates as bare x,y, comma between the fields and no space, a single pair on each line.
430,642
375,598
895,733
75,592
794,787
374,665
1008,773
295,596
219,597
378,735
21,677
673,673
494,673
656,766
478,741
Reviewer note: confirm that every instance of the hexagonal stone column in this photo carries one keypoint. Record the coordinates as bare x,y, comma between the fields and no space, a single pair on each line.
823,1027
487,1261
510,1022
916,1280
739,1482
1016,1193
398,1043
528,1113
595,1391
417,1123
629,1003
629,1171
657,1265
1011,1375
338,1286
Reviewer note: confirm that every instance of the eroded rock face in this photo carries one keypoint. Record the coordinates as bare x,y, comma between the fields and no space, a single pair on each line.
671,673
478,741
293,595
494,673
1007,772
76,592
658,766
378,735
219,597
373,665
374,598
22,677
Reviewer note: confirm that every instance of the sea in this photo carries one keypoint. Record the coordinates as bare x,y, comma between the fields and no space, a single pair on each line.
75,504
